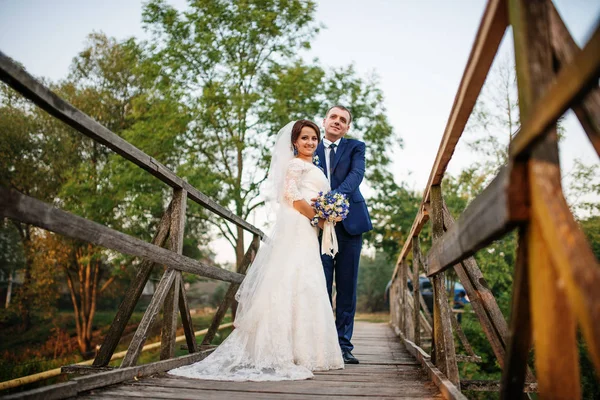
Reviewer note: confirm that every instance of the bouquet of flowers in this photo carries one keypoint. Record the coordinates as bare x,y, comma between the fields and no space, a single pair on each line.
332,207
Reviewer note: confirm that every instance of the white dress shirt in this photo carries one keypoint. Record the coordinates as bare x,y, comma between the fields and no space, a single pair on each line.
326,144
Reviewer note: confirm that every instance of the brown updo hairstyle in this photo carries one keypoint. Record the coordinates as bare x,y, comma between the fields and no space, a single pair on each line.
298,128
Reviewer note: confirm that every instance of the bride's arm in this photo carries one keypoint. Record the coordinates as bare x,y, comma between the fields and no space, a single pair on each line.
292,193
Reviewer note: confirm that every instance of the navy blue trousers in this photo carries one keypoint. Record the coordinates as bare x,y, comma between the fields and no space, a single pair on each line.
344,268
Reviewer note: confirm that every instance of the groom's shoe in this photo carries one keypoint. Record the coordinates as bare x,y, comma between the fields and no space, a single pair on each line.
348,357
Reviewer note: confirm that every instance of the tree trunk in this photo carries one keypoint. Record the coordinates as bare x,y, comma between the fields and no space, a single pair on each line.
9,289
25,300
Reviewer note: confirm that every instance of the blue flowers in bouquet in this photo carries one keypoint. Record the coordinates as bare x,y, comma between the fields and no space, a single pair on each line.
332,206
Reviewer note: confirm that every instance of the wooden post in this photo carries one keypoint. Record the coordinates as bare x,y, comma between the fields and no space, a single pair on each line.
443,343
416,248
111,340
171,306
403,291
186,320
230,295
483,302
563,274
519,336
143,330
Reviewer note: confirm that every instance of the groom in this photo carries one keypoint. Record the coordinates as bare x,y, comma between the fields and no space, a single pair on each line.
343,161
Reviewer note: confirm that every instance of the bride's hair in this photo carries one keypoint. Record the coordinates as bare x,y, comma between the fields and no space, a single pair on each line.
301,124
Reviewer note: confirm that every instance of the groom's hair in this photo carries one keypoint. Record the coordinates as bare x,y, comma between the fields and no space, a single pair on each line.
301,124
341,108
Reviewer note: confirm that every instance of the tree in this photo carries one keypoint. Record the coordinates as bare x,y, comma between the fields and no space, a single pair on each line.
36,152
236,65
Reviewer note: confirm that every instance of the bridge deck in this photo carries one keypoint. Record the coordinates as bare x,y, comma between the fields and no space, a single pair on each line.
386,369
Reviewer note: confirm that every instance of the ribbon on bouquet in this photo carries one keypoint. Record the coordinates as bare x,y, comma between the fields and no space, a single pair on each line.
329,243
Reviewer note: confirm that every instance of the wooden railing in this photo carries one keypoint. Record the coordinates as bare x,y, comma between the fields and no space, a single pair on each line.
169,294
556,281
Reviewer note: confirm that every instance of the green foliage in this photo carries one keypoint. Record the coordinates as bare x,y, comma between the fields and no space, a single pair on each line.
373,276
236,69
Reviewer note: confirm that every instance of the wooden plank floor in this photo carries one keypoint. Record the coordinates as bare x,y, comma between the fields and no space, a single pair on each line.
386,370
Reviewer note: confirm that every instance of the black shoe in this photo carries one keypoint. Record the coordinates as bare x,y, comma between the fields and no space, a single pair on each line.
348,357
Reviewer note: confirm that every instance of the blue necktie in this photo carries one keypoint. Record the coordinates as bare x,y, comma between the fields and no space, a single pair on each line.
331,158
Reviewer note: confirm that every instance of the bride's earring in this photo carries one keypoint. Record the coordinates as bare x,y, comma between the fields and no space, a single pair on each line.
295,151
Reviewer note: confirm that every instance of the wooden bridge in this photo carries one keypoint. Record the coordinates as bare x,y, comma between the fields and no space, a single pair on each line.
556,275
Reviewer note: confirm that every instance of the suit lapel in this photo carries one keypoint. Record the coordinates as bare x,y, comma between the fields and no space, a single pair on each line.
321,155
339,153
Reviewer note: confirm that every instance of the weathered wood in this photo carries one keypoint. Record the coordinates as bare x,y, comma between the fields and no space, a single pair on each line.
558,377
491,386
186,320
565,48
132,295
403,290
169,326
171,305
230,295
491,30
89,382
447,387
555,327
573,82
463,339
143,329
83,369
443,351
416,249
21,81
490,215
571,255
19,207
514,366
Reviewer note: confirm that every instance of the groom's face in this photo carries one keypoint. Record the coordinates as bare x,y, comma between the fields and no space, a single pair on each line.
336,124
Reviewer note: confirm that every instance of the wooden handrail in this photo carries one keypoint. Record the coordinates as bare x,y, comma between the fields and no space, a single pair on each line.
24,83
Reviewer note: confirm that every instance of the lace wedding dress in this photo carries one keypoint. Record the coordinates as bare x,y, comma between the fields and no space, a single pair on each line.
284,327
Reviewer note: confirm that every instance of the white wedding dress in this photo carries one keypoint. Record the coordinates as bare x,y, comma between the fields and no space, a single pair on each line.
284,327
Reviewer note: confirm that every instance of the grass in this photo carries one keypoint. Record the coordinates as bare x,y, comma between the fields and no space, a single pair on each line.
376,317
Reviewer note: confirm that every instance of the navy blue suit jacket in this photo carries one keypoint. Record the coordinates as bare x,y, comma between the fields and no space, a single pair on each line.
348,172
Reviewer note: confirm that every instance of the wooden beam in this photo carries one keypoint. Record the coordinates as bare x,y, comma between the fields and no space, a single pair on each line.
539,145
490,215
463,339
483,302
19,207
132,295
447,387
491,30
186,320
555,327
573,82
519,334
416,248
143,330
21,81
565,48
230,295
171,304
89,382
443,351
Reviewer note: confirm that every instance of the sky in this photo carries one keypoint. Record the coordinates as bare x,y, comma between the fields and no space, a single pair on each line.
417,48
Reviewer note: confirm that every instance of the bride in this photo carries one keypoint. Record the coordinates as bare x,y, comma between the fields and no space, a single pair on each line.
284,326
